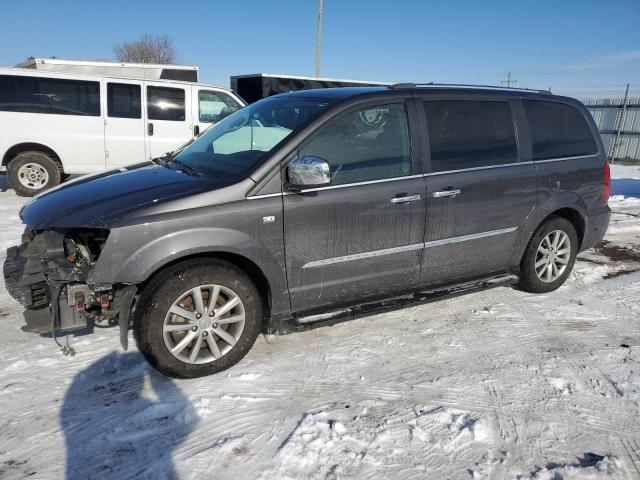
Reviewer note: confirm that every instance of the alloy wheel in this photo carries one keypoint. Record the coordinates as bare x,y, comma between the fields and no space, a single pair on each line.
552,256
204,324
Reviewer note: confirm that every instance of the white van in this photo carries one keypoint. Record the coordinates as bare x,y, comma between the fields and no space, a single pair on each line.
56,124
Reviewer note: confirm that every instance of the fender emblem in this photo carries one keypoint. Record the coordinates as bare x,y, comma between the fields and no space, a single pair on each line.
269,219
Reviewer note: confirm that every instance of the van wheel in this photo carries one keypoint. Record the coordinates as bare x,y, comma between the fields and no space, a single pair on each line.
197,318
30,173
549,257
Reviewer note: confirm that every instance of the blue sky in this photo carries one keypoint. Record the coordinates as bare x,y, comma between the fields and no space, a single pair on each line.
575,47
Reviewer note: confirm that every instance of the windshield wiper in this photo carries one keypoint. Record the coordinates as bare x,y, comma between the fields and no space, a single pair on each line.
170,157
184,167
164,159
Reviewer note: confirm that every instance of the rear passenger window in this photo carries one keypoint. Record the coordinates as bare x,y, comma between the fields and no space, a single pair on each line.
368,144
49,95
123,100
165,103
558,130
470,134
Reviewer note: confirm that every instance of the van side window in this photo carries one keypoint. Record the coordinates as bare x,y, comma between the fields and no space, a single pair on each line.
469,134
368,144
558,130
165,103
214,106
123,100
49,95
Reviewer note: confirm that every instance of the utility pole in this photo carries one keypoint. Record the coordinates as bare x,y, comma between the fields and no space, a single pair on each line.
508,81
620,125
319,38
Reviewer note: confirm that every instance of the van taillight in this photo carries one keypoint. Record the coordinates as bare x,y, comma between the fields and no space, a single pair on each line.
607,182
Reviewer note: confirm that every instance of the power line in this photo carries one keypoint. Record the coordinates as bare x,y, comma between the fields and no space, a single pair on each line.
509,81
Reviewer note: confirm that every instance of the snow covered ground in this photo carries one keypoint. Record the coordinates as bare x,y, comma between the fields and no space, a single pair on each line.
497,384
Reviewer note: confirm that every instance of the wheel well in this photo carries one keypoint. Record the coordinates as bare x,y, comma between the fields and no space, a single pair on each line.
239,261
30,147
575,218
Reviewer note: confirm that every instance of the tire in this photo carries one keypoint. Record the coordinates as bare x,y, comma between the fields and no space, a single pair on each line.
30,173
164,292
531,280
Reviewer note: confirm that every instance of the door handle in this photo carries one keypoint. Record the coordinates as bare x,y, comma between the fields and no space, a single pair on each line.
447,193
196,130
150,128
414,197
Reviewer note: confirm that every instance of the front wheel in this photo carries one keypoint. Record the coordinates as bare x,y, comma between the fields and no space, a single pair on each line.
197,318
30,173
549,257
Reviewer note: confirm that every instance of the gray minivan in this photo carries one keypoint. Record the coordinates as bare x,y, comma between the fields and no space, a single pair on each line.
314,202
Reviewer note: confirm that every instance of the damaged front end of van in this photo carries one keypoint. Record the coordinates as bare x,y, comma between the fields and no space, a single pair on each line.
59,272
49,274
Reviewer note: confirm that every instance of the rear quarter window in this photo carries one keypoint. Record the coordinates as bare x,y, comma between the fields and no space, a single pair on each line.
558,130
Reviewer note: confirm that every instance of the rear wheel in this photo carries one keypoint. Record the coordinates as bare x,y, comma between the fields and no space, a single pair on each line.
30,173
198,318
549,257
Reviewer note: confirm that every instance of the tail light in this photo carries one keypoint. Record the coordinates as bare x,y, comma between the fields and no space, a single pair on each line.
607,182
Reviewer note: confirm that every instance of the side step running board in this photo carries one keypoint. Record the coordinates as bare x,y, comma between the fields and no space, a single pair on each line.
306,322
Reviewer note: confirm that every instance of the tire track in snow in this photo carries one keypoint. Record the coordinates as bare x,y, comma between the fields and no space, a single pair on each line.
633,451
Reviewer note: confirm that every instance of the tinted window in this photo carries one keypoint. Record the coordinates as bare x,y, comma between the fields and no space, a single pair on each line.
214,106
369,144
469,134
558,130
49,95
165,103
123,100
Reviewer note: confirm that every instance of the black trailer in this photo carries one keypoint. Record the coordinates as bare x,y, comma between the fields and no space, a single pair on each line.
260,85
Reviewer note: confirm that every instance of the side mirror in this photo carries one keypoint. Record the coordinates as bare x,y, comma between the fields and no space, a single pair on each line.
307,172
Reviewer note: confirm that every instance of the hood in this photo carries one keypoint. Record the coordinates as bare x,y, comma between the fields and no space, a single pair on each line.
87,201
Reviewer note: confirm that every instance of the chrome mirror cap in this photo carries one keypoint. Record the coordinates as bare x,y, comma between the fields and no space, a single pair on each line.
308,172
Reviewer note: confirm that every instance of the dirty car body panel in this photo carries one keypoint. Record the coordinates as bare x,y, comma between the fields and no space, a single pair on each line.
92,244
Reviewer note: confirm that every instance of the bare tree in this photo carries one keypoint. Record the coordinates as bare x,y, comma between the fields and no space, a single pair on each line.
148,49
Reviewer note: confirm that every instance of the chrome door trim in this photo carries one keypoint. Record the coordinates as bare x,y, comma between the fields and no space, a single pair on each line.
332,187
514,164
561,159
407,177
488,167
406,248
357,184
472,236
359,256
265,195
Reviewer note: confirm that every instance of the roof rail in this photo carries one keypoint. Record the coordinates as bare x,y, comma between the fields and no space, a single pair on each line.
454,85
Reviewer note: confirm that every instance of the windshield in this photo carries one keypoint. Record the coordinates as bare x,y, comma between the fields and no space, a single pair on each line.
236,144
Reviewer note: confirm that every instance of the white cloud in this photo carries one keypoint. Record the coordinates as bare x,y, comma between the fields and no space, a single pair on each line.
613,59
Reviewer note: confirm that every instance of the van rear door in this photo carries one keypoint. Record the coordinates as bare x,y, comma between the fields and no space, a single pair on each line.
479,193
124,123
169,117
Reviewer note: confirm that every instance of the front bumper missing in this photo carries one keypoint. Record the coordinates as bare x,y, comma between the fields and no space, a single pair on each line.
55,291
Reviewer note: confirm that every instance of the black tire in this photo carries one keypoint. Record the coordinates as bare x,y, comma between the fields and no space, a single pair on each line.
160,293
40,159
529,280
